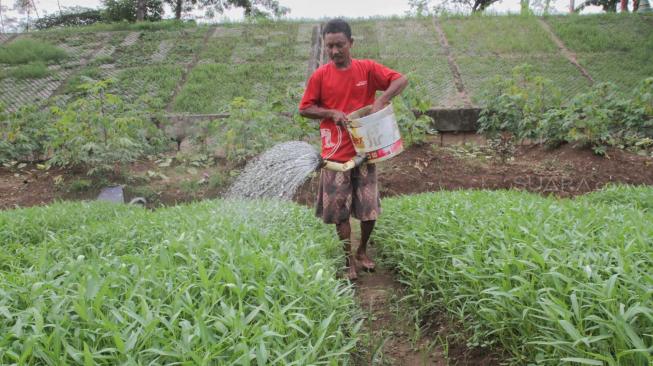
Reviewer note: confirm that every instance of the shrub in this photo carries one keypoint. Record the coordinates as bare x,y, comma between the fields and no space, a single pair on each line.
253,126
517,104
32,70
100,132
23,51
410,110
528,106
24,134
75,16
125,10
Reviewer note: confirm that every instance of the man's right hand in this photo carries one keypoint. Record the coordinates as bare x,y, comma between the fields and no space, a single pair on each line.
339,117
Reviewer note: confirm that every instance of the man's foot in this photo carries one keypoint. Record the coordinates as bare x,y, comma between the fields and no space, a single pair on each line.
365,262
351,273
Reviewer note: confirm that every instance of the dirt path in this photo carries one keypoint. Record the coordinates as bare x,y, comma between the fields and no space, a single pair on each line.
392,336
453,66
184,78
565,51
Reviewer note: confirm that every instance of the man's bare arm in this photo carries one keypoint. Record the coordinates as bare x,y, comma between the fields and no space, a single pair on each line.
394,89
315,112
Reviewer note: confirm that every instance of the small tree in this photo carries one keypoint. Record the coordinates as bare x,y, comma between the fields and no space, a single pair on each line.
120,10
141,7
26,7
426,6
609,6
251,7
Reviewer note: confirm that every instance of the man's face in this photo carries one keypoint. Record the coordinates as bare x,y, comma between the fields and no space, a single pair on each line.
338,48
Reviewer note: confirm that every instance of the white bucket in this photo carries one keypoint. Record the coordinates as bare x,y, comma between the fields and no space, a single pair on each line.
376,135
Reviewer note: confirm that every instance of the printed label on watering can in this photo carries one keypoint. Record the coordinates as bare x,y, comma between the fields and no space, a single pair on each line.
376,134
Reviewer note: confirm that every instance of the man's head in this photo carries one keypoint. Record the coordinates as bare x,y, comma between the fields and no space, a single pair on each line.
338,42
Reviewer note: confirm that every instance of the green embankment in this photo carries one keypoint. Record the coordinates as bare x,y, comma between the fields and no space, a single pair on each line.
550,281
269,61
226,282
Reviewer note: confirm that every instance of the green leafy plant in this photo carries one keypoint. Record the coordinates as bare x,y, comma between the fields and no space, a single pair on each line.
550,281
100,132
411,112
25,134
589,117
529,107
226,282
517,104
253,126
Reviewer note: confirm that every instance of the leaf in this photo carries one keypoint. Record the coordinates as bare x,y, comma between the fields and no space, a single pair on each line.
584,361
88,357
120,345
570,329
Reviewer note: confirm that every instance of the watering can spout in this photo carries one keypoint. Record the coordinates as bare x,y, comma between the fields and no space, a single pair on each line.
343,167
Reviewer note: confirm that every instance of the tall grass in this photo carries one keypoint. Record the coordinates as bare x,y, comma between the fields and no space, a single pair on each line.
551,281
23,51
604,32
32,70
212,283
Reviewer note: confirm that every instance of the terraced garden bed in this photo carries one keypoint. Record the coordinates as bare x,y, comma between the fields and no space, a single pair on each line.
227,282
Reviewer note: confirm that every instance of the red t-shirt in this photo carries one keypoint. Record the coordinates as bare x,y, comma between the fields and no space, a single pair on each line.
347,91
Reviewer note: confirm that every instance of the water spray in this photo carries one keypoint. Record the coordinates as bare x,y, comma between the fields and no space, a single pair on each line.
280,171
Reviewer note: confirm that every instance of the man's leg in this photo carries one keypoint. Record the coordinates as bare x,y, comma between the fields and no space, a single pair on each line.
366,208
344,233
361,253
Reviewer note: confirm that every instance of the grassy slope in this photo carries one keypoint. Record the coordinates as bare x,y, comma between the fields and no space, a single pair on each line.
616,48
268,59
229,281
485,46
247,60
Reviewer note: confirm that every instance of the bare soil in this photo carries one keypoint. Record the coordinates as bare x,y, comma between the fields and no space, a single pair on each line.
459,162
394,338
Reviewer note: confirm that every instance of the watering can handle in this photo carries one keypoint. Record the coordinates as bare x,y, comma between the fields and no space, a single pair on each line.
343,167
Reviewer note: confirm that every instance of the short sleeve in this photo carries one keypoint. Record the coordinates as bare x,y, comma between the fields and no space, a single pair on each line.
312,93
381,76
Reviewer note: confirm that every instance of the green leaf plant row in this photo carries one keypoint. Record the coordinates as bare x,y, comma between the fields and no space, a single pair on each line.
213,283
549,281
528,106
97,130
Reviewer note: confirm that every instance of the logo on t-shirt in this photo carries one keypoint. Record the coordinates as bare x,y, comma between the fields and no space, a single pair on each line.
326,138
361,83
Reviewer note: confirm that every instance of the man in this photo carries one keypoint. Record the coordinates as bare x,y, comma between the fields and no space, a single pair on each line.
334,90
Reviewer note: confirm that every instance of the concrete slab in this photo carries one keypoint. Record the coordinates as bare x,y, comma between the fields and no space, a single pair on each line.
112,194
458,119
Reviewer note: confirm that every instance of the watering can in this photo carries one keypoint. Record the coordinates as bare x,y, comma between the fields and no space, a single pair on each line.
375,136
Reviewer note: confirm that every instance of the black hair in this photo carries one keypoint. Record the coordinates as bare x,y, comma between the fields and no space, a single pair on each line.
337,26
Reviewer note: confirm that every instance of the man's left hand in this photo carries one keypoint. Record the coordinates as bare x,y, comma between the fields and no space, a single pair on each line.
377,106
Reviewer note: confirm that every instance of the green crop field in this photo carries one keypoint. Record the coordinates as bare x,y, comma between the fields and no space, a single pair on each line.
547,281
216,282
550,281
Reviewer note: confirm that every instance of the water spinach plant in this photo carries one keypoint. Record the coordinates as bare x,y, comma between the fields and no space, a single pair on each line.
218,282
549,281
